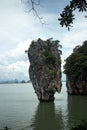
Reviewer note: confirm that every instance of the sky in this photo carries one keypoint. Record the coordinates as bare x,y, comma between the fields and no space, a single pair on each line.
19,26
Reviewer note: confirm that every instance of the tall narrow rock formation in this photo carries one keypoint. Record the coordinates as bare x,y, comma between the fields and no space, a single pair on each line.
45,68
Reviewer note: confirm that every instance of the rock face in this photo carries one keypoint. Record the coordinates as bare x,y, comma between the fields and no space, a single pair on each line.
76,71
45,68
78,87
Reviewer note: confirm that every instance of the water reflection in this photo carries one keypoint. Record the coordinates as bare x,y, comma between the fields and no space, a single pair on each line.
47,118
65,112
51,116
77,110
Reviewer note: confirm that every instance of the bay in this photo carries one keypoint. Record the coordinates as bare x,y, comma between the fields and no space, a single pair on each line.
21,110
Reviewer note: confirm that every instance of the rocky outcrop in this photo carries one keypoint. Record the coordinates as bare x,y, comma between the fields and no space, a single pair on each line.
76,71
78,87
45,68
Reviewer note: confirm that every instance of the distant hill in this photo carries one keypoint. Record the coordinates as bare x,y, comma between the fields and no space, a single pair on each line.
14,81
28,81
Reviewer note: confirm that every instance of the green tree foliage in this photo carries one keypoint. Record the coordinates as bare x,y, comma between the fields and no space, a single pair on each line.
76,63
50,58
56,42
67,16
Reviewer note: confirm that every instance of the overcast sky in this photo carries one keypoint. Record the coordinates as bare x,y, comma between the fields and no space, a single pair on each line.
18,28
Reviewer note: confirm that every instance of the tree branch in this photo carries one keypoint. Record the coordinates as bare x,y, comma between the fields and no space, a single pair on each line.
67,16
33,9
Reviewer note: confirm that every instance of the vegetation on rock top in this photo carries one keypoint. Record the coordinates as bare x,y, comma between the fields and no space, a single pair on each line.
76,64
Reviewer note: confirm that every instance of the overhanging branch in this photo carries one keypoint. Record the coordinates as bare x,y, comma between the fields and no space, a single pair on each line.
33,9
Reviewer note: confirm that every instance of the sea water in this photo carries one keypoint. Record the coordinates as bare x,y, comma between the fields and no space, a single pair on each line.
21,110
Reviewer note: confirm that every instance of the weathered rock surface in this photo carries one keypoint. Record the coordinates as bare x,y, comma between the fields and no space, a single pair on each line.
78,87
45,68
76,71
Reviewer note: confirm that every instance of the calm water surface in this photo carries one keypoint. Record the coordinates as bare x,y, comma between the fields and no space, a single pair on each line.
20,109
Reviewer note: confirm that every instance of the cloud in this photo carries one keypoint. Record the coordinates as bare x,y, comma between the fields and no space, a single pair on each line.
3,60
15,63
76,36
73,39
16,27
17,70
18,53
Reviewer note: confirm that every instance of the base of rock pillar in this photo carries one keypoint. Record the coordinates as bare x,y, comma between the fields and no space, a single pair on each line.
47,100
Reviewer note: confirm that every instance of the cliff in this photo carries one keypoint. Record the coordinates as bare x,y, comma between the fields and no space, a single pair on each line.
78,87
76,71
45,68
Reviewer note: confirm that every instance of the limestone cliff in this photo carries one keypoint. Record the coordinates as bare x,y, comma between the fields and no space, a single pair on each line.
45,68
78,87
76,71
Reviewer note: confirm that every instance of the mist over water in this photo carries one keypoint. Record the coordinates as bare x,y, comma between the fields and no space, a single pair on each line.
21,110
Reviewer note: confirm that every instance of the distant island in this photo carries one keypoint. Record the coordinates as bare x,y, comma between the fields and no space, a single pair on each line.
25,81
14,81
